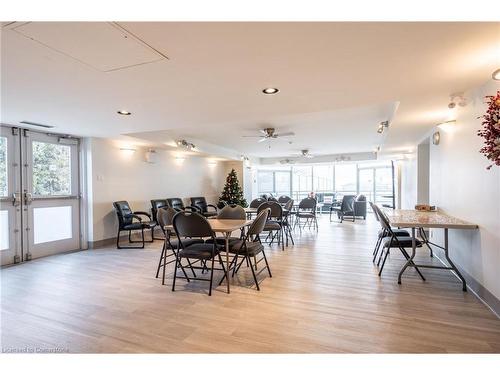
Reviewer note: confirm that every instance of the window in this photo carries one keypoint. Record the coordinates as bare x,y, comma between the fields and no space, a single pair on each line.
4,190
282,183
51,169
266,182
346,178
323,178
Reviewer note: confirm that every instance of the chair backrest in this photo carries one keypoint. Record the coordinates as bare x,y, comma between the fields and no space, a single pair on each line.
200,202
155,205
374,209
176,203
348,203
257,202
328,199
284,199
232,212
259,223
191,224
165,216
288,205
276,211
123,211
308,204
384,221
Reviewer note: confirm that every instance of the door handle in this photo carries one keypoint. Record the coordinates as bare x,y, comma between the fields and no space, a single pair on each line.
16,199
28,198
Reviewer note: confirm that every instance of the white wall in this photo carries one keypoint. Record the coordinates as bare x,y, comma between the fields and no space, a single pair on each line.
121,175
408,170
462,187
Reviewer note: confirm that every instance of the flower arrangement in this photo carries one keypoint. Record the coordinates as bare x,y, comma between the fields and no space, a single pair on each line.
491,130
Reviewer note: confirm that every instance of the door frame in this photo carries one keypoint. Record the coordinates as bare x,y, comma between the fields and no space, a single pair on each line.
83,184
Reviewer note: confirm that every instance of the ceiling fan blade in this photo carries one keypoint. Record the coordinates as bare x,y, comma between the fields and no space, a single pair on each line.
286,134
252,136
263,131
262,140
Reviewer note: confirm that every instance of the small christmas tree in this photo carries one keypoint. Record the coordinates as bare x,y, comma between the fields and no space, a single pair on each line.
232,193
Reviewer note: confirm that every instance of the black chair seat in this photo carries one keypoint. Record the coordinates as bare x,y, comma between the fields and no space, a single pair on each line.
403,241
397,233
221,241
186,242
252,248
306,214
272,225
198,251
140,225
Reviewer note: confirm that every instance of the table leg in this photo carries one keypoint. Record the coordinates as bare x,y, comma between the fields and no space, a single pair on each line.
412,256
227,261
464,284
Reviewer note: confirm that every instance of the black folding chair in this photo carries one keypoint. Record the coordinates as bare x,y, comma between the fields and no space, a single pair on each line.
393,241
250,246
170,247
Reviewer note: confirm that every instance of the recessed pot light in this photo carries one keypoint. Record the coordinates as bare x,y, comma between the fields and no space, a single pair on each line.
270,90
124,113
496,75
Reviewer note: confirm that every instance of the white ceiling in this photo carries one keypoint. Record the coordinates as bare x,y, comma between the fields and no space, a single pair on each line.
337,82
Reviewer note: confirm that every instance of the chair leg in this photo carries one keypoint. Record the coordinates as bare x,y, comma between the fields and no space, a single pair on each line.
118,240
267,264
253,274
175,272
235,264
383,263
161,259
212,277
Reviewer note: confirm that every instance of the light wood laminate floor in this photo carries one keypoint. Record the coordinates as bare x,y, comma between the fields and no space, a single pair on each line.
324,297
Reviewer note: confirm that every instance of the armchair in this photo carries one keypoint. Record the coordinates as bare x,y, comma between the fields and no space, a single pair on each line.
360,206
126,223
346,208
178,204
201,205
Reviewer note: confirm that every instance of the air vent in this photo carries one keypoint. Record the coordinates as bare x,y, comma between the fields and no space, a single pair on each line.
37,124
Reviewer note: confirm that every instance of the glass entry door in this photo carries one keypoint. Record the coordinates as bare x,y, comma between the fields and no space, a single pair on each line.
43,204
10,196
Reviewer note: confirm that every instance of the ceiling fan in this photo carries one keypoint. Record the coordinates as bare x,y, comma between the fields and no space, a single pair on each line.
269,133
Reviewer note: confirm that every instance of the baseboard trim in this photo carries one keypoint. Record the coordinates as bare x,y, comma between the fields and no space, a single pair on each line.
107,242
484,295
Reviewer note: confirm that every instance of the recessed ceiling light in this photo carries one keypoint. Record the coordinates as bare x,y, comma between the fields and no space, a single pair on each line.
270,90
124,113
496,75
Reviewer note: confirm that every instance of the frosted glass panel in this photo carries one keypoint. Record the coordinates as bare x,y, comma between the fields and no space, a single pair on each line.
52,224
4,229
3,168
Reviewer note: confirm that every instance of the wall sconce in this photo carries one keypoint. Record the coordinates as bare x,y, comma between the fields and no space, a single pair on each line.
185,144
436,138
127,151
151,156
